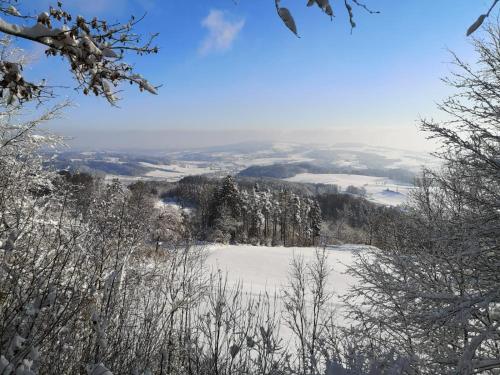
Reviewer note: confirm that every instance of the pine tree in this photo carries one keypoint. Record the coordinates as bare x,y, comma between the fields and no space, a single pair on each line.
245,216
266,211
315,220
229,196
295,217
227,211
256,216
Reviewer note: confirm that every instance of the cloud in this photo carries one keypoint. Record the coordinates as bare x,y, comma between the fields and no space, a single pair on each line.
221,32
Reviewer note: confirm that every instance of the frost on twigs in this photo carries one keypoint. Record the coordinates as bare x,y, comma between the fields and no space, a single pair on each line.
95,51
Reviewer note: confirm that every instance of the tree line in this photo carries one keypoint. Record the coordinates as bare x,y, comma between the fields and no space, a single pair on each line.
226,212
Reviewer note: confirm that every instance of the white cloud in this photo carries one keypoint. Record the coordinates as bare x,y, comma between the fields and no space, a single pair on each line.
221,32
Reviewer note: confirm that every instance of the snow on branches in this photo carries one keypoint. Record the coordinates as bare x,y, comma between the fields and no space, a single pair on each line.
94,49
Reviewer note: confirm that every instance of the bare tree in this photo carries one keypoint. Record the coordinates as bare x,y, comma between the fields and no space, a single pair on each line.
433,293
305,302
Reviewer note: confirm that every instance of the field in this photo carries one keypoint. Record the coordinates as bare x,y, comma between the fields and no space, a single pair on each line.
262,269
379,189
174,172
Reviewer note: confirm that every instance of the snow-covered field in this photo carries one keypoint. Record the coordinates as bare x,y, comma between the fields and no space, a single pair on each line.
232,159
379,189
262,269
172,205
174,172
250,161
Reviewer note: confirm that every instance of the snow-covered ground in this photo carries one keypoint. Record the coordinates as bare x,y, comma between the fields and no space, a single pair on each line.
250,161
172,205
174,172
262,269
232,159
379,189
124,179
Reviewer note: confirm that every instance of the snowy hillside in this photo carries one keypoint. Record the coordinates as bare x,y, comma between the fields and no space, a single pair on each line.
385,173
260,269
379,189
221,160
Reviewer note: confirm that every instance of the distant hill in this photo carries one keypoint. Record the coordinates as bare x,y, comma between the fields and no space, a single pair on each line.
250,159
283,170
287,170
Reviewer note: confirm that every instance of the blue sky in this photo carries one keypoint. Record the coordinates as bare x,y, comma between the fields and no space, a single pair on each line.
260,76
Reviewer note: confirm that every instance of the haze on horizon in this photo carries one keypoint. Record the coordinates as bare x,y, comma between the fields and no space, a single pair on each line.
147,141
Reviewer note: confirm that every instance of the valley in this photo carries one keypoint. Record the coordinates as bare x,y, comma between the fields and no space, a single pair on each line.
383,175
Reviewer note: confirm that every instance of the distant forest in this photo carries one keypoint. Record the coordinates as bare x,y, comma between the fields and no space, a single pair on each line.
287,170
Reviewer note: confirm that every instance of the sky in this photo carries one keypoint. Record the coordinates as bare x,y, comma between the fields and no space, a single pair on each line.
230,69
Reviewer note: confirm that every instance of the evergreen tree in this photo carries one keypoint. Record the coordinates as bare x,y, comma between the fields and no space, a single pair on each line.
267,209
296,216
227,211
229,196
315,220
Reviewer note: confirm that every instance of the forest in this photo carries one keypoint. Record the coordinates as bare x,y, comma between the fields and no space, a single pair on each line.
248,211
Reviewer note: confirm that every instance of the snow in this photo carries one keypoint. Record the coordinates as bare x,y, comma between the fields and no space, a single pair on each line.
175,172
343,180
262,269
389,197
411,160
13,11
347,160
379,189
112,159
283,146
124,179
248,162
172,204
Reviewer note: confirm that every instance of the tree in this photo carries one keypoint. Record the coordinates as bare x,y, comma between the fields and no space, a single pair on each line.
305,300
433,293
229,196
296,218
316,219
227,210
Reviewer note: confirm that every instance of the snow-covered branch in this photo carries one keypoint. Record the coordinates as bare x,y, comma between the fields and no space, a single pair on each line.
94,49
